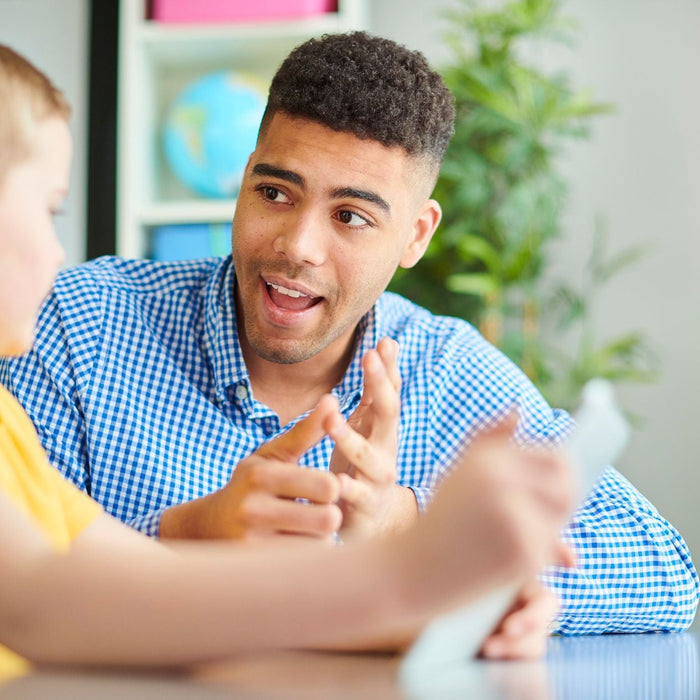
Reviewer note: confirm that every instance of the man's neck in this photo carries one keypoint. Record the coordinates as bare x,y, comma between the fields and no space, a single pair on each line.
292,389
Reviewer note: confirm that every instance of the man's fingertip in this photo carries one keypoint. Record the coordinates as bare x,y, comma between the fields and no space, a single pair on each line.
327,402
492,648
337,493
336,426
343,484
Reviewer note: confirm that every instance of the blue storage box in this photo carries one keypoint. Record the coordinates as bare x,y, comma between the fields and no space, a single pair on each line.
190,241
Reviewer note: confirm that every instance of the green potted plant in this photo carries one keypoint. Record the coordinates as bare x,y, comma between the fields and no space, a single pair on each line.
503,198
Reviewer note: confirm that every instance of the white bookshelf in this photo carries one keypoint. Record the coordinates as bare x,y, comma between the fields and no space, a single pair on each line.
156,61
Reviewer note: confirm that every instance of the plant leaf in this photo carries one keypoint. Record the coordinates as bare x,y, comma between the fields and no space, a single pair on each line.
481,285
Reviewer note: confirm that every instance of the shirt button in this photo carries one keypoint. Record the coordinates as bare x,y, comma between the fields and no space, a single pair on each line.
241,392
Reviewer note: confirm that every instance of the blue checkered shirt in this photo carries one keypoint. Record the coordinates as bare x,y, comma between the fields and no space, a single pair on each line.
140,395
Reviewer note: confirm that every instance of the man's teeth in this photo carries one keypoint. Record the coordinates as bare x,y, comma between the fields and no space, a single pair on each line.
289,292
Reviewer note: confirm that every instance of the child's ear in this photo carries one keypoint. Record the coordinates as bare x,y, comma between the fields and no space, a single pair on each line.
424,226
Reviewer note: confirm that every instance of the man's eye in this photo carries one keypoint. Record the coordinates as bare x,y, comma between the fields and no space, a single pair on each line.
272,194
349,218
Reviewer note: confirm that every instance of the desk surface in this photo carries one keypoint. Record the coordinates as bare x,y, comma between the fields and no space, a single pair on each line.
639,667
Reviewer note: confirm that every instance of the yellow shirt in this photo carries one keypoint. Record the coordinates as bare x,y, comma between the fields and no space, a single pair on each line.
57,507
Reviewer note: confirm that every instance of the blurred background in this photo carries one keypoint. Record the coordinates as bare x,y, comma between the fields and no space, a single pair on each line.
638,171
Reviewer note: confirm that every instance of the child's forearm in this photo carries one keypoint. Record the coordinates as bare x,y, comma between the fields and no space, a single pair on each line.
138,603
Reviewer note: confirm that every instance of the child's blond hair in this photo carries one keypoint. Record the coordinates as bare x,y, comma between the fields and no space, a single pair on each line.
27,97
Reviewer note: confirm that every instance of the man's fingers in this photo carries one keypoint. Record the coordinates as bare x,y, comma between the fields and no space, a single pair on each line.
356,494
380,368
359,452
529,646
268,515
533,613
365,453
286,480
388,350
303,436
384,395
523,631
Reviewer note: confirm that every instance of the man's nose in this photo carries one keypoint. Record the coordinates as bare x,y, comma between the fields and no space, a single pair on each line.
302,240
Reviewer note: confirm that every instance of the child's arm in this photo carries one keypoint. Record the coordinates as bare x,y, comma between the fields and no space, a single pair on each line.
120,598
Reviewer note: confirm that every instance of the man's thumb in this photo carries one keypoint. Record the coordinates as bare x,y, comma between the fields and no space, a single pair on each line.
305,434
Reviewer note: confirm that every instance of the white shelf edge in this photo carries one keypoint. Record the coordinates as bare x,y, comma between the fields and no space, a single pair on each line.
193,211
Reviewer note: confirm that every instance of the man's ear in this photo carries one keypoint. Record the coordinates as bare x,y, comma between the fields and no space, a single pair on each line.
424,226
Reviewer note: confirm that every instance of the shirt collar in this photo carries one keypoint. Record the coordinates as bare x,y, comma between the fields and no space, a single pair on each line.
366,338
223,346
220,330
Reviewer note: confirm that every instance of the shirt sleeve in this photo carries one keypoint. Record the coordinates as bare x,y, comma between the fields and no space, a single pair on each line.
634,572
148,524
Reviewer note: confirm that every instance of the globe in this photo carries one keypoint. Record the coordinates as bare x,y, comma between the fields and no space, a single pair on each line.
210,130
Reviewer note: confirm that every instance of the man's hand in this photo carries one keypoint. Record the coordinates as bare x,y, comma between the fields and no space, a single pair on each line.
366,447
261,499
522,633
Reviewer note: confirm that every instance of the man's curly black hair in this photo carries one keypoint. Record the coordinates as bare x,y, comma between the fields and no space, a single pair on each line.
369,86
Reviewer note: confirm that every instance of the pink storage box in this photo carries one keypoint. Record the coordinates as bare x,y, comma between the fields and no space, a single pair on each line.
184,11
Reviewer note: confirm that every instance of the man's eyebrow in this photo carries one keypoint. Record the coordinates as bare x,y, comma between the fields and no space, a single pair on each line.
267,170
368,196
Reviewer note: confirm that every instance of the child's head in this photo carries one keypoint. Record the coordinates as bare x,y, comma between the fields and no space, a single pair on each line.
35,154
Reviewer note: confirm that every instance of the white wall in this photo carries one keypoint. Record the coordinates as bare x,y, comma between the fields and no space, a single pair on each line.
641,170
53,34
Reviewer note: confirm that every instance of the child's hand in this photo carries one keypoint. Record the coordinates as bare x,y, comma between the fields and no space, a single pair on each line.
494,521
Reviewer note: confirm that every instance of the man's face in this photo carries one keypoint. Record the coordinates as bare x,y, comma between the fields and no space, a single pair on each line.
30,254
322,222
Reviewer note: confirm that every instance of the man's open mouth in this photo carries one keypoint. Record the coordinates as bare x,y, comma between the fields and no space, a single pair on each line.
290,299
